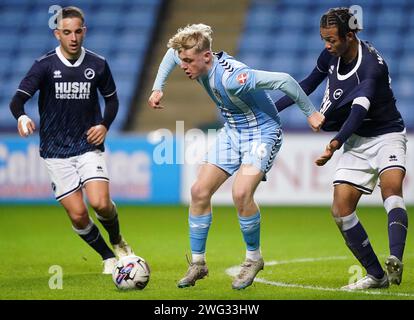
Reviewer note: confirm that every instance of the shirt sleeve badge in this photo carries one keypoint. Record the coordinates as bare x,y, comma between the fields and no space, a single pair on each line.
242,78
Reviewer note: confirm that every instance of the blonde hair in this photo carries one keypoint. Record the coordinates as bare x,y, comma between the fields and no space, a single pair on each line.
196,36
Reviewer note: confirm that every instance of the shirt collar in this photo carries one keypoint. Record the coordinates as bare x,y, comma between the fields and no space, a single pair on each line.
66,62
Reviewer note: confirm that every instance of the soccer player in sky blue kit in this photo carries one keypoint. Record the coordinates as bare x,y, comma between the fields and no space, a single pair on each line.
72,131
248,143
360,105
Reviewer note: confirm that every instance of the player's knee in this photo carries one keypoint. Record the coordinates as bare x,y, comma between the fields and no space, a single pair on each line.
200,193
241,198
335,211
80,220
388,191
342,208
338,220
336,215
101,205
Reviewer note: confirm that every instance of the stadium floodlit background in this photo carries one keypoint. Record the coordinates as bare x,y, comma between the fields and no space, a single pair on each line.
279,35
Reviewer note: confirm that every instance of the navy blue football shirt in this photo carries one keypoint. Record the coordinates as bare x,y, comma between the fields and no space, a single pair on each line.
368,78
365,81
68,100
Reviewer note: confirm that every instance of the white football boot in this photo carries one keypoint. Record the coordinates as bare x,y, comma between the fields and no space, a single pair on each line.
109,265
368,282
122,249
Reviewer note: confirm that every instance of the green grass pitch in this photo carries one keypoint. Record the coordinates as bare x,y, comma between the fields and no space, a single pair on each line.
310,259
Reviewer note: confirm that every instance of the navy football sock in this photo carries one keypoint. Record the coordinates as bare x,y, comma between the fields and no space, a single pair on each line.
357,241
111,225
93,238
397,231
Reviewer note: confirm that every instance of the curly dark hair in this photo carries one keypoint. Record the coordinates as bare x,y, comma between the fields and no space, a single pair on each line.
340,18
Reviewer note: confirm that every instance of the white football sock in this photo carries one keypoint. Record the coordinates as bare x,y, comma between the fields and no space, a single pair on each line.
253,255
198,257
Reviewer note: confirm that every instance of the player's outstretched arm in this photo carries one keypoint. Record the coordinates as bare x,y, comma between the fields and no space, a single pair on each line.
167,65
309,84
282,81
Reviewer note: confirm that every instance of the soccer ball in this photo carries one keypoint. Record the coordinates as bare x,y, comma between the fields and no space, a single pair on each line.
131,272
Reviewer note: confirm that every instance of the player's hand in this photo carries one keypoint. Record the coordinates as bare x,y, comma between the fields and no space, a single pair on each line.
328,153
96,134
316,120
25,126
155,99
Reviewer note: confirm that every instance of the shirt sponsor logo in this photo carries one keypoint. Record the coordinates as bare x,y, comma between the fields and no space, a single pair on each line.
72,90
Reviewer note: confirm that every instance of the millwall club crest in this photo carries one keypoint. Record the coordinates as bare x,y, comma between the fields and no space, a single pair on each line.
337,93
89,73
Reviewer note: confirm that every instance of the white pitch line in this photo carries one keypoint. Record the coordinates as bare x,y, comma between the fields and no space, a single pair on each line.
272,263
233,271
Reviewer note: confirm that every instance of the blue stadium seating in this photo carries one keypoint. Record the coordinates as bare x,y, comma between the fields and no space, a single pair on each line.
118,30
284,36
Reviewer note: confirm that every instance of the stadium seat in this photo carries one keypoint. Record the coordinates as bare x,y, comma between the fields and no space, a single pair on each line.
253,60
256,42
286,42
408,40
394,19
261,18
293,19
406,66
397,3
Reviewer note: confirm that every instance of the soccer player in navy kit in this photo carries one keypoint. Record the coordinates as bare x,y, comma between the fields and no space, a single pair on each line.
360,105
72,131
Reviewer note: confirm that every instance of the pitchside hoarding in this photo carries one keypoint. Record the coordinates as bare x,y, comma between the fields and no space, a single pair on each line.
134,176
295,179
154,169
